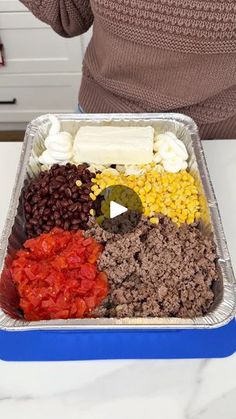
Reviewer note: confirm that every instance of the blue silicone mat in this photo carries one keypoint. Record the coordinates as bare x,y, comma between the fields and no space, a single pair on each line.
117,344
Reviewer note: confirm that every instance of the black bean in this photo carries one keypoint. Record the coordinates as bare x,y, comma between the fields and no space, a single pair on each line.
58,205
72,208
62,188
28,196
42,203
84,226
83,198
68,192
56,185
41,211
34,208
75,227
53,198
44,191
84,166
66,225
49,202
47,228
75,221
83,216
56,215
28,208
89,184
72,185
90,204
60,179
35,199
64,204
56,166
74,189
85,208
46,211
75,195
79,206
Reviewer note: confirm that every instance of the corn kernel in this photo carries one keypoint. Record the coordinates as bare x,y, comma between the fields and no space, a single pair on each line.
147,187
140,183
172,194
154,220
97,192
78,183
92,196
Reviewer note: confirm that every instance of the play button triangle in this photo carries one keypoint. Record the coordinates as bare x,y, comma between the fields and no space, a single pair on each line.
116,209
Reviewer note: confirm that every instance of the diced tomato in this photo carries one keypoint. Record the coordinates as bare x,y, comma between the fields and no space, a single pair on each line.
94,253
74,261
56,276
91,302
81,308
86,285
61,314
88,271
59,263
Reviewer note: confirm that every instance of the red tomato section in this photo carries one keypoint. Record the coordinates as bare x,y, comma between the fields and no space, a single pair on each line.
57,277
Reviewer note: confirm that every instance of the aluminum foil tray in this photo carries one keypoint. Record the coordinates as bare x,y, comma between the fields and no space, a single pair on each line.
223,308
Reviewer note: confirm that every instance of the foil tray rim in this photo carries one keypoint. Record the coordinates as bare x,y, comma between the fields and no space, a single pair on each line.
209,321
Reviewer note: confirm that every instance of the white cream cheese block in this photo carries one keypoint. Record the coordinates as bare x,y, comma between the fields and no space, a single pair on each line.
114,145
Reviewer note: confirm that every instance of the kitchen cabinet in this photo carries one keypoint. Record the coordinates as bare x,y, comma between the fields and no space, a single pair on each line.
43,70
28,96
11,6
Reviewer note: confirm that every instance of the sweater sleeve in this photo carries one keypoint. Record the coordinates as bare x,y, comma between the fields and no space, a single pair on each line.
67,17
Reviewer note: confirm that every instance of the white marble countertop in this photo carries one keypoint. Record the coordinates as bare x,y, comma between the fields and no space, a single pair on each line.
186,389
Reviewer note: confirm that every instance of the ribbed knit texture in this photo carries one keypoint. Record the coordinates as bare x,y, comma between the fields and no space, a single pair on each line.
155,56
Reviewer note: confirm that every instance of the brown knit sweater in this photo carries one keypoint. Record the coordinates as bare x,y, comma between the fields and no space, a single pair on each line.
155,56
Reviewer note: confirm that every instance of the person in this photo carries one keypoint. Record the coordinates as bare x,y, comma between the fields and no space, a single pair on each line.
154,56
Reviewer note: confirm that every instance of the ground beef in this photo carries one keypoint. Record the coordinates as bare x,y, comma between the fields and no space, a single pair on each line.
157,271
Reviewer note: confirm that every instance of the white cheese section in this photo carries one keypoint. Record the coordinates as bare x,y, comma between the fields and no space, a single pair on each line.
114,145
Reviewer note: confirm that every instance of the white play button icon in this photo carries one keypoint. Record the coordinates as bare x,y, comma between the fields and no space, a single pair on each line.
116,209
